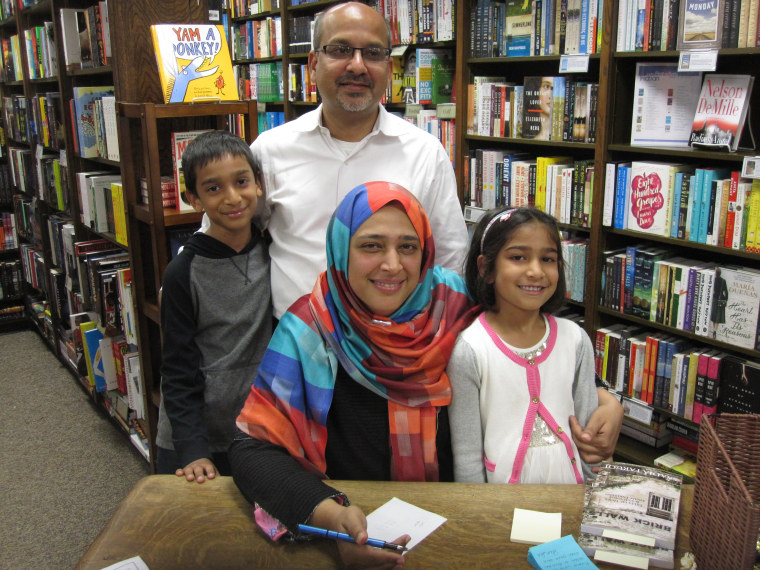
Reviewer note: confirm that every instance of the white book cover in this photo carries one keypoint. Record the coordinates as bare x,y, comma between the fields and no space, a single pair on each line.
651,190
633,503
664,102
735,304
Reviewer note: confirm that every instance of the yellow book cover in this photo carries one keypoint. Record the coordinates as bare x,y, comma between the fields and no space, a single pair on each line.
193,63
119,215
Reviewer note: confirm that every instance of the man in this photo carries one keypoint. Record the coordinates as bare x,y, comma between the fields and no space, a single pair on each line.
311,163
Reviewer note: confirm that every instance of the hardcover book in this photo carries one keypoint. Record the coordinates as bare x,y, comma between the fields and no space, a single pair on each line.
739,386
537,103
735,304
700,25
83,100
721,111
193,63
633,503
651,191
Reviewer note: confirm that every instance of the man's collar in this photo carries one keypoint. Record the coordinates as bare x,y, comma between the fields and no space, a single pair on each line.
312,121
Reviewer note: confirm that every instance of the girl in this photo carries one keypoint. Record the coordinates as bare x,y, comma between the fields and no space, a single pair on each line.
517,372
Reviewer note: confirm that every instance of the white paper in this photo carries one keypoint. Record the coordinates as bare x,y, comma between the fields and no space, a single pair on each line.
135,563
397,517
535,527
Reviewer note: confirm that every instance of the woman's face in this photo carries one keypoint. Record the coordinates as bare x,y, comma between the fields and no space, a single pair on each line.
384,260
547,86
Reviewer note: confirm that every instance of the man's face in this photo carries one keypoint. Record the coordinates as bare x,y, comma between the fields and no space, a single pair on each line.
352,85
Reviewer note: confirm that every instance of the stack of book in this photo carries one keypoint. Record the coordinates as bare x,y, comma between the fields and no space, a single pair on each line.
630,514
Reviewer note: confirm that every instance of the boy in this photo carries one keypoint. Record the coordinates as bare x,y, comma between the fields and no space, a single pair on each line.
216,315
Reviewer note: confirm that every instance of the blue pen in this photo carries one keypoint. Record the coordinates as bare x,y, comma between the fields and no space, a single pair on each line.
323,532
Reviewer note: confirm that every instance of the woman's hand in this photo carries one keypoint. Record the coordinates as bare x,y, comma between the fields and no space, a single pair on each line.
596,442
351,520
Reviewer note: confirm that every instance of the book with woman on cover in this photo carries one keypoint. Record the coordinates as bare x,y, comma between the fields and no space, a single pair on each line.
633,503
721,111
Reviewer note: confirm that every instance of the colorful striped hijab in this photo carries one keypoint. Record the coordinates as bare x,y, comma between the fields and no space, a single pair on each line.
401,358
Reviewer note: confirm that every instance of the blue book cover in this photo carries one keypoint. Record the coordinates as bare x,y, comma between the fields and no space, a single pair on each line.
84,98
92,337
695,201
706,199
621,202
676,204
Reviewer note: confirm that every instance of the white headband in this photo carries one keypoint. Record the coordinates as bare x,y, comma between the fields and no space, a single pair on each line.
500,217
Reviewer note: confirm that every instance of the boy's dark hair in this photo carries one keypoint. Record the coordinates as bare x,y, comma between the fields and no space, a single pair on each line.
498,234
212,146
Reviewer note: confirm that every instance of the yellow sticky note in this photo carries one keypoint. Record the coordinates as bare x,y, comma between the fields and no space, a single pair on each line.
535,527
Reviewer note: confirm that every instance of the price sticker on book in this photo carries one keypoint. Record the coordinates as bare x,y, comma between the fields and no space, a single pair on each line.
573,63
698,60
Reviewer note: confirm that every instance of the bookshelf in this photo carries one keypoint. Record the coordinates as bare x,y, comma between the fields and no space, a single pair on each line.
615,73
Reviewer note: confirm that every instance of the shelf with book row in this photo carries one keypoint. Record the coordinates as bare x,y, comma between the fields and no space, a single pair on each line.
678,268
276,73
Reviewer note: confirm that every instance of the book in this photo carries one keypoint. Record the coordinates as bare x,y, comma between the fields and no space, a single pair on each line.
84,118
721,111
700,25
179,142
739,386
735,306
537,101
73,27
194,62
651,190
424,72
664,102
634,503
518,28
622,553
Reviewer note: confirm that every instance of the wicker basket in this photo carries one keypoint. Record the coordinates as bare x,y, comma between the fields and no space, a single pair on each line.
726,514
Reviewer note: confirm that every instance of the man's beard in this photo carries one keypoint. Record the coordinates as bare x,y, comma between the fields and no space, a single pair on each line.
355,103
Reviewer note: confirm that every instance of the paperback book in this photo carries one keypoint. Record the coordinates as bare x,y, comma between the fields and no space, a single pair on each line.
633,503
194,63
735,304
180,140
739,386
700,25
664,103
721,111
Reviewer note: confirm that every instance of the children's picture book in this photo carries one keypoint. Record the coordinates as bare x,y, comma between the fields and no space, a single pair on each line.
84,119
664,102
180,140
194,62
721,111
700,25
633,503
735,304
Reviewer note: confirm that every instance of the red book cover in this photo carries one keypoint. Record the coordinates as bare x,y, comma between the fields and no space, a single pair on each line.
721,111
712,385
699,391
733,192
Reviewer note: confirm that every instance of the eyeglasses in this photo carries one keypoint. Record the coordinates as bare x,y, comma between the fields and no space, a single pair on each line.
370,54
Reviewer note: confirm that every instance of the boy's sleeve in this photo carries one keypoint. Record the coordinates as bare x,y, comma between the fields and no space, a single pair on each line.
182,381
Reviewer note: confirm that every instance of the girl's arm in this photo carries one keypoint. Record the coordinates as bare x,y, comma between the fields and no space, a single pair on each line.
464,415
596,441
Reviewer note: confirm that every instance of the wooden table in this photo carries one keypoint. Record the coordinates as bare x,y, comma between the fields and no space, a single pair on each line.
171,523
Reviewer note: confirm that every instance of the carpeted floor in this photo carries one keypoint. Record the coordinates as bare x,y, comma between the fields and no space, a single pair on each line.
64,465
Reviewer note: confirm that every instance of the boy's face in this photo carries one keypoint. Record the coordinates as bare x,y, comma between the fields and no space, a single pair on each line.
228,192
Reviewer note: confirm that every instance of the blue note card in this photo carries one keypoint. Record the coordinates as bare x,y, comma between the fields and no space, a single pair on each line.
561,554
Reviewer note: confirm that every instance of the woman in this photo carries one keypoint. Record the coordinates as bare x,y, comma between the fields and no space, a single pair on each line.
369,345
